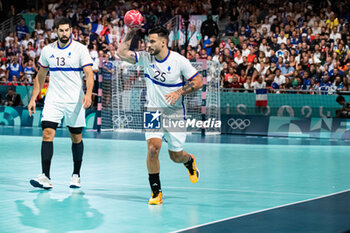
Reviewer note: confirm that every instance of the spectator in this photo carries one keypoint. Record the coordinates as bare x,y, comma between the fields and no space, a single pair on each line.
258,84
29,70
171,37
14,70
21,29
279,80
194,37
49,22
40,17
248,85
12,98
344,111
209,28
287,70
209,44
238,57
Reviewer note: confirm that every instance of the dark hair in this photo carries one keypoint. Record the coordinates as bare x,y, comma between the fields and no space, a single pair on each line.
160,30
340,98
62,21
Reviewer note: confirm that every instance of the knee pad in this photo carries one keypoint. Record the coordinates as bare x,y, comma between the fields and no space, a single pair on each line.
76,130
49,124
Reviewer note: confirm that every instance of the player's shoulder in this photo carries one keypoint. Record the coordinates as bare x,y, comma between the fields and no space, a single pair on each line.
175,55
78,44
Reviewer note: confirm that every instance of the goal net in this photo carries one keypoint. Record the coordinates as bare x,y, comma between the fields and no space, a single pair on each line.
124,98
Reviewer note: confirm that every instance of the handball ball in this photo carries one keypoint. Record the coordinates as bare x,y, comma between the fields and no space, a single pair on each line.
133,19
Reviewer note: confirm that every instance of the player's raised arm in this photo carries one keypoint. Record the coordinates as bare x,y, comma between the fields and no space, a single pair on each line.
133,20
123,50
38,85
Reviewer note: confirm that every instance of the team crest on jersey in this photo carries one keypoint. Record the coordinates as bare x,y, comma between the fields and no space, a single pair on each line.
69,54
52,56
169,68
152,66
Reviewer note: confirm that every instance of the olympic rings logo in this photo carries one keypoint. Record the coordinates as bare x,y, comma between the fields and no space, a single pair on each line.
122,120
239,123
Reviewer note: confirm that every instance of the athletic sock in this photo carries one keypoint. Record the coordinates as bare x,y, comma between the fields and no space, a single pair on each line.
154,182
77,151
46,157
189,166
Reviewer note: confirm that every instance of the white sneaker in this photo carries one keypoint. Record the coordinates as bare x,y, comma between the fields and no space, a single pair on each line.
75,183
41,182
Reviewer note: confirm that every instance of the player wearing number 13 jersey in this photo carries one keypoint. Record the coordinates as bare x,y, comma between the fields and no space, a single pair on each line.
168,76
66,60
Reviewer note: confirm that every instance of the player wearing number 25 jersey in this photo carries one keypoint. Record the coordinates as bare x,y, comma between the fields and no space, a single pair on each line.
164,76
168,77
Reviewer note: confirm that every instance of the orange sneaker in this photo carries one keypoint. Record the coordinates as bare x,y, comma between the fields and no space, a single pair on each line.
156,200
193,171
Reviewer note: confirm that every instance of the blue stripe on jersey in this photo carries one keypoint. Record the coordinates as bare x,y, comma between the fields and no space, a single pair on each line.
192,76
183,99
89,64
65,69
136,57
164,59
164,84
71,39
42,65
183,107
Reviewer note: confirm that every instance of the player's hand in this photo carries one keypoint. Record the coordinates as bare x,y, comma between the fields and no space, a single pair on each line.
172,97
31,107
136,28
86,101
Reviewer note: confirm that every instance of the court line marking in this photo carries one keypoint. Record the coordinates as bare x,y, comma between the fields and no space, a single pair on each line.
216,189
88,190
259,211
229,143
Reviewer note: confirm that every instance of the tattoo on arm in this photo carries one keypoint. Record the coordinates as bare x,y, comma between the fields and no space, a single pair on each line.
186,88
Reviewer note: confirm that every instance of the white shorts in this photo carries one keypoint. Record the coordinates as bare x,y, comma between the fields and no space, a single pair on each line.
175,140
74,114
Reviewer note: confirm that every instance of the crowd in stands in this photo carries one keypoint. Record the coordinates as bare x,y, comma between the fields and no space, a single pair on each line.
299,45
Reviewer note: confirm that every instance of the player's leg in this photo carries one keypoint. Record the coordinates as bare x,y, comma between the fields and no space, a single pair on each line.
154,143
176,142
49,130
75,118
77,152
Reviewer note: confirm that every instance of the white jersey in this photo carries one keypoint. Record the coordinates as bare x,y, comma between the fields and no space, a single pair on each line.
165,76
65,66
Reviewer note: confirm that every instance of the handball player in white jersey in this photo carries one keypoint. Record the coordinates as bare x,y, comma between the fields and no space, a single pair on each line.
66,60
164,70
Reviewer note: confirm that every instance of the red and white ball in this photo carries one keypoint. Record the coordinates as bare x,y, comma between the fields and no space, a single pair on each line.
133,19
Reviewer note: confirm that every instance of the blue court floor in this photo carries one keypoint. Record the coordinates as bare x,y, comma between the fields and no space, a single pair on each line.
247,184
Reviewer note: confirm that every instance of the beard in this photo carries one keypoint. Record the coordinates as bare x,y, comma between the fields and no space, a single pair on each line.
64,39
154,52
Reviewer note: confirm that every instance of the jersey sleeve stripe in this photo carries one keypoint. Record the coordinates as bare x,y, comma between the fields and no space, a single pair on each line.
137,60
192,76
42,65
89,64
